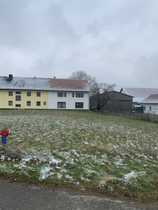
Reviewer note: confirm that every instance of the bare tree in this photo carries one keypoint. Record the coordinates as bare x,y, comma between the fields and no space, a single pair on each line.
82,75
105,87
94,86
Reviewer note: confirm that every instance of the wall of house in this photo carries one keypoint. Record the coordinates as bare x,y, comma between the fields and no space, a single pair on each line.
48,100
151,108
53,99
111,102
5,98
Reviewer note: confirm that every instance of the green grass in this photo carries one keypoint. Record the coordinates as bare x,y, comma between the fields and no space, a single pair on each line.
110,154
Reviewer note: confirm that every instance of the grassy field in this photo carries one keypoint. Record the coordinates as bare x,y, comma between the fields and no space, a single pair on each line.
112,155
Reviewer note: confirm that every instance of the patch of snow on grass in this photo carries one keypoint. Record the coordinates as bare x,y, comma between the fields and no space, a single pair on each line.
53,161
2,157
119,162
44,173
132,174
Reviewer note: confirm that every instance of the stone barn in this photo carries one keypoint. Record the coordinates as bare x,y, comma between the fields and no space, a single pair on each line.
111,101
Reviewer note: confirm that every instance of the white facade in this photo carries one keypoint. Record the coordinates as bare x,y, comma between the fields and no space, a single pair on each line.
151,108
70,100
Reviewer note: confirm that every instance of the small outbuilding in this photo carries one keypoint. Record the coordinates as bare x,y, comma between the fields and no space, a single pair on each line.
111,101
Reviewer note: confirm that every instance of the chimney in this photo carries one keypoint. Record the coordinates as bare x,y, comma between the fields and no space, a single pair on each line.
10,78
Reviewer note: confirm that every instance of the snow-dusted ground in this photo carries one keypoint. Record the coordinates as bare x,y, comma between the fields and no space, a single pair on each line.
111,154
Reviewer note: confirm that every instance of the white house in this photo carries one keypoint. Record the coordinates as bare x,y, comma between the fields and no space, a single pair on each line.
140,94
146,97
68,94
151,104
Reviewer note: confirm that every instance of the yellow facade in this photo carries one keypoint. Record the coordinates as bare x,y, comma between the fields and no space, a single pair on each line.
36,100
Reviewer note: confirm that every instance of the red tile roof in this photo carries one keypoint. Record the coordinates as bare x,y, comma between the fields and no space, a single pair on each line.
69,84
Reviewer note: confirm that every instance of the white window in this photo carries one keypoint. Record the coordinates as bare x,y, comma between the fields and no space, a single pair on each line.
62,94
38,103
18,92
18,105
28,93
10,103
61,105
28,103
79,94
10,93
18,97
38,94
79,105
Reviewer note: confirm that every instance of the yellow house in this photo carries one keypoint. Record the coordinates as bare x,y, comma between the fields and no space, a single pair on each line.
24,99
43,93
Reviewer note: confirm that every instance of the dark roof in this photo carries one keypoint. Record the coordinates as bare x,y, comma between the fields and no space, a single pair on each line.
115,92
121,93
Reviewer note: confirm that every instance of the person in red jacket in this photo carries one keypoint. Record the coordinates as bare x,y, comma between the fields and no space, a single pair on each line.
4,134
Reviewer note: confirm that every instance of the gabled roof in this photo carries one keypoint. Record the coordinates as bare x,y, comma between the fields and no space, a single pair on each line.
35,83
152,99
69,84
140,94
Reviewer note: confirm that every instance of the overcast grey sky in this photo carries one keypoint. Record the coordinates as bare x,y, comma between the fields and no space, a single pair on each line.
113,40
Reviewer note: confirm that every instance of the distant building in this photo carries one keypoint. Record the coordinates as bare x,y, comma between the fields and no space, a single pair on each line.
111,101
151,104
43,93
140,94
145,99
